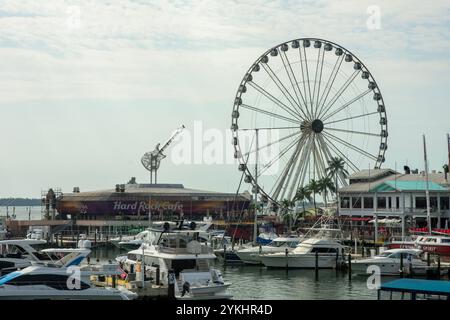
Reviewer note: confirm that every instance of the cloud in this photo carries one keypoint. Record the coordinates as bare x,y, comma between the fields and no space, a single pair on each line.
173,61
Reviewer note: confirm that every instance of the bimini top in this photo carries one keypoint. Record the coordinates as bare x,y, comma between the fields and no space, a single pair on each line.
437,287
413,185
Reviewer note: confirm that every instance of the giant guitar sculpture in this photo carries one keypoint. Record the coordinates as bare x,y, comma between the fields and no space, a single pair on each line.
151,160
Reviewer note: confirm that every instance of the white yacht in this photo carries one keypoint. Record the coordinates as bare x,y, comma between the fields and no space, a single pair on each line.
180,251
16,254
19,254
389,262
49,283
304,255
252,255
151,234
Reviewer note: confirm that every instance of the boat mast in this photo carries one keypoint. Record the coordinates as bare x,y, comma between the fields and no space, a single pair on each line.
427,190
255,225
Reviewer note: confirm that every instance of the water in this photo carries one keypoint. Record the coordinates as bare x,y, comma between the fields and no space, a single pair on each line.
259,283
22,212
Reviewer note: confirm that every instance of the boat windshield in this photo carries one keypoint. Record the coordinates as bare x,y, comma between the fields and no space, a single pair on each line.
276,244
11,251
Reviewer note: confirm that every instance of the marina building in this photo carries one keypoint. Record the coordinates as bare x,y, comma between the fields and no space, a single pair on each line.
385,193
135,201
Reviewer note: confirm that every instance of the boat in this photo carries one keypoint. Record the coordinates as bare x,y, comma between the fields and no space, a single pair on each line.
19,254
437,244
150,234
16,254
328,252
280,244
180,252
41,282
225,250
390,262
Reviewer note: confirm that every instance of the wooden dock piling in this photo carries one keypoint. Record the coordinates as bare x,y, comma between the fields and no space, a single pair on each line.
317,266
401,265
349,266
171,285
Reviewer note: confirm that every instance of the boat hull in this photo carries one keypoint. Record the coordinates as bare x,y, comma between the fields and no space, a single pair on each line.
443,250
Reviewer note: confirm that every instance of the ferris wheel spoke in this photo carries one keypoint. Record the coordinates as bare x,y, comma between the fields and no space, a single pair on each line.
329,84
315,79
282,88
355,148
288,168
319,60
355,132
303,78
307,77
281,154
268,113
299,167
347,104
340,92
276,101
273,142
351,118
293,81
269,128
330,156
339,152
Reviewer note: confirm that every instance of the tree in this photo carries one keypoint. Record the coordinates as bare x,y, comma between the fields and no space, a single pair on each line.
326,184
303,194
286,212
445,167
315,188
336,167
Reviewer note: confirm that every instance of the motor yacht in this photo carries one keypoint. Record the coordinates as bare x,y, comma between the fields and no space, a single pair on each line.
43,282
180,252
280,244
390,262
329,253
439,244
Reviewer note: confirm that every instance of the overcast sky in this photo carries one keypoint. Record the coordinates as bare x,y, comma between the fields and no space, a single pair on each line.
87,87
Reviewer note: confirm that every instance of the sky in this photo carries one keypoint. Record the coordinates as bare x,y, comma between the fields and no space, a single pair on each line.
87,87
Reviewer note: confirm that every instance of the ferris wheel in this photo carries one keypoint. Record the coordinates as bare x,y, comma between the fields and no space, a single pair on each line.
300,104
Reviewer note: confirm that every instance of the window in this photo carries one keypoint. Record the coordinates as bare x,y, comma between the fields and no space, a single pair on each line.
368,202
390,202
381,203
356,202
324,250
421,203
56,281
444,203
397,202
345,202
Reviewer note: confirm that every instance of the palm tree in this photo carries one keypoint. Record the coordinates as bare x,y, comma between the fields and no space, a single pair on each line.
445,167
286,214
314,187
303,194
336,167
325,185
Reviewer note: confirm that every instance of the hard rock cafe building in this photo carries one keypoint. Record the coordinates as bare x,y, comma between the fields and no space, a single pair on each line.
163,201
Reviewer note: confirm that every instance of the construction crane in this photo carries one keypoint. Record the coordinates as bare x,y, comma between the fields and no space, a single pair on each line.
151,160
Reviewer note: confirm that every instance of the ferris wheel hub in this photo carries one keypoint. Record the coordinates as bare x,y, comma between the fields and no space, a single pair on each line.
317,126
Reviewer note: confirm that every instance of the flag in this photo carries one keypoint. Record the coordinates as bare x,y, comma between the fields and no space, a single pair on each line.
123,274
